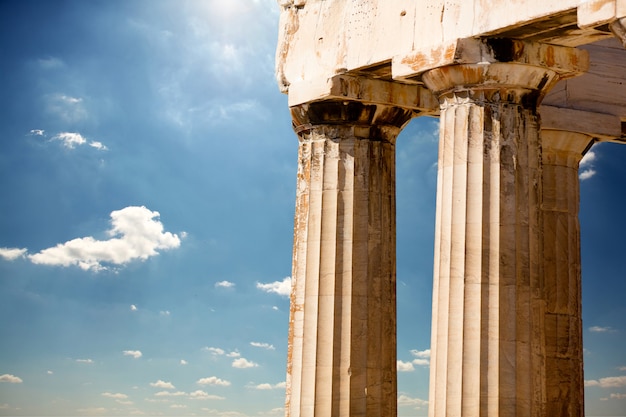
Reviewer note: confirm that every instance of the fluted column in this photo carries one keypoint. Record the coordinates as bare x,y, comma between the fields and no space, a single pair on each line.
488,347
342,331
562,152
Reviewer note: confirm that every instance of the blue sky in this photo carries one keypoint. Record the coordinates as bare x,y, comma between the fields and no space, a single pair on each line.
147,180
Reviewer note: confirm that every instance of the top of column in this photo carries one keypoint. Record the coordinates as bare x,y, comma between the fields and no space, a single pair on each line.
379,41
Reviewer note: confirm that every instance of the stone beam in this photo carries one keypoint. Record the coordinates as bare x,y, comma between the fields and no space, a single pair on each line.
347,87
601,126
595,13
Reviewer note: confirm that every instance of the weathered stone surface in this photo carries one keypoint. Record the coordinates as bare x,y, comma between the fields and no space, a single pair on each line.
342,337
506,334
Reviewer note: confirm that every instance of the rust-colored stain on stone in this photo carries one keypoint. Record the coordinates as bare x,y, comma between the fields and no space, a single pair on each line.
420,61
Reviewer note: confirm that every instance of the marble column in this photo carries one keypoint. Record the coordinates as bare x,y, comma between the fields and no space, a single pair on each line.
561,155
489,306
342,330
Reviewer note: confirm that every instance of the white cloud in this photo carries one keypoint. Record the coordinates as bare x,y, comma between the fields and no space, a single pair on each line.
11,254
170,394
275,308
37,132
162,384
201,395
134,353
600,329
98,145
213,380
586,174
586,164
266,386
136,233
49,372
84,360
183,362
422,357
69,139
214,351
608,382
588,159
404,366
165,313
282,288
618,396
224,284
117,396
263,345
92,410
421,353
622,368
133,307
11,379
233,354
243,363
178,406
404,400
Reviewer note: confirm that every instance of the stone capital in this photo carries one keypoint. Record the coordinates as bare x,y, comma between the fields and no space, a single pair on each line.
350,119
564,62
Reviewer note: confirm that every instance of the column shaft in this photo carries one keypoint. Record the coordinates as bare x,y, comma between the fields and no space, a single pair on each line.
489,304
342,338
562,152
487,261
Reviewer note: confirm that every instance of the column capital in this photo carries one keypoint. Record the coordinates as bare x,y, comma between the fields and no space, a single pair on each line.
480,61
362,120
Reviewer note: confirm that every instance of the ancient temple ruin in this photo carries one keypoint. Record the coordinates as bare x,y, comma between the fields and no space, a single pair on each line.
522,89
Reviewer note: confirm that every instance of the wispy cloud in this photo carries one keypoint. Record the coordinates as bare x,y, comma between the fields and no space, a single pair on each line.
134,353
37,132
617,396
184,362
116,396
608,382
11,254
84,360
214,351
50,63
213,380
601,329
170,394
72,139
136,232
201,395
405,400
162,384
262,345
11,379
69,109
243,363
266,386
422,357
282,288
224,284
